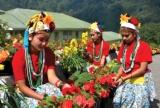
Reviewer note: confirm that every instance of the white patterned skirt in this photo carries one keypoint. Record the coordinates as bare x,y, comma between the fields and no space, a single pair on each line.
47,88
130,95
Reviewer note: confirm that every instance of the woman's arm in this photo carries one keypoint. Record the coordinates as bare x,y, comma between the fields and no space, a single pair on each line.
52,78
103,59
119,74
28,91
138,72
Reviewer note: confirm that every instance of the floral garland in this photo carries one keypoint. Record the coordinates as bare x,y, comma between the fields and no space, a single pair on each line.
97,58
30,70
132,57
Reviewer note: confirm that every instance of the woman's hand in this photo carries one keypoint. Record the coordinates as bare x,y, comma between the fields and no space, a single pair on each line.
66,86
63,85
118,81
115,80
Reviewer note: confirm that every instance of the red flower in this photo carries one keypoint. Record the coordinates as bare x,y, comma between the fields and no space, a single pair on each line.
86,86
89,86
90,103
80,100
70,90
134,21
112,75
103,80
77,90
92,90
108,80
66,91
67,104
91,69
104,93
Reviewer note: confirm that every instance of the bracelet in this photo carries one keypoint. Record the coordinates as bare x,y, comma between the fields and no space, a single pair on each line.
61,84
56,84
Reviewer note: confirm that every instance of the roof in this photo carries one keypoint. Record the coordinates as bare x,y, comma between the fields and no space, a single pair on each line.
17,18
111,36
2,11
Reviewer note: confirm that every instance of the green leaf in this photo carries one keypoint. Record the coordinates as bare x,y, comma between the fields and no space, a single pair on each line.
86,94
83,77
75,75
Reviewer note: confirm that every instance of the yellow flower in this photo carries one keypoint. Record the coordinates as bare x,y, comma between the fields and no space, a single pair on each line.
74,50
1,67
84,38
66,51
114,46
73,43
124,18
84,35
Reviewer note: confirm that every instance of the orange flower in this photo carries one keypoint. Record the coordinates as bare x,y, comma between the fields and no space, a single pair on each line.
3,55
47,20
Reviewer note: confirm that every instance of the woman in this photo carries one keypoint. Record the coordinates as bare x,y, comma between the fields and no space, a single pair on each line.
97,51
34,65
97,48
135,86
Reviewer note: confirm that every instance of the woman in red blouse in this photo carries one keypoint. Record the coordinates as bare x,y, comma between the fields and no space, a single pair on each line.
135,86
34,65
97,48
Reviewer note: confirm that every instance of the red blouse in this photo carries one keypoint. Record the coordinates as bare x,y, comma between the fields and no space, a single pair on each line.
105,50
144,54
19,64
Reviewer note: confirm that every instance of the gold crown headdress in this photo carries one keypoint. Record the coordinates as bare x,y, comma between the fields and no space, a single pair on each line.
41,21
37,23
129,22
94,26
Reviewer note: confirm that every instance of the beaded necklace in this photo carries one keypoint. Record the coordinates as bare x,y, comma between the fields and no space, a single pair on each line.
132,57
30,70
98,57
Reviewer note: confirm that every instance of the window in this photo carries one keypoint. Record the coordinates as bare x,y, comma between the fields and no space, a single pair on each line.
56,36
67,35
77,35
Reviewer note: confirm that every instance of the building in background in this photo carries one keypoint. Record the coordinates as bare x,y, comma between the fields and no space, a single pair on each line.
111,36
67,27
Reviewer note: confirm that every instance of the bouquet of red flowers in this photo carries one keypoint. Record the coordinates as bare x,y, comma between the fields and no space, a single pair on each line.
73,97
86,89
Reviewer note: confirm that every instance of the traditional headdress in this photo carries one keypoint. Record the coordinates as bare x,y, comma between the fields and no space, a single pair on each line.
94,26
129,22
38,22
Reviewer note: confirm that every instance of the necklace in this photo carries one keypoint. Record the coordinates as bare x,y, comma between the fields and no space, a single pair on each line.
98,57
30,70
132,57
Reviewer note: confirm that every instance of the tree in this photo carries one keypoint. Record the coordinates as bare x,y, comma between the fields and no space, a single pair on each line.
151,32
